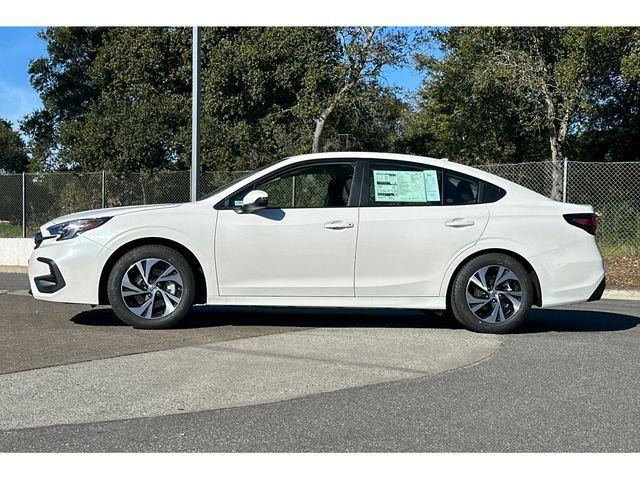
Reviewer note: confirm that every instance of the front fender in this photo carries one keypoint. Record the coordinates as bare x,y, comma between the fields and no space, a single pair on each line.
193,231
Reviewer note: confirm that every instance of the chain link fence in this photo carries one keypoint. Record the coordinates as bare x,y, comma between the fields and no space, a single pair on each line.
613,188
27,201
536,176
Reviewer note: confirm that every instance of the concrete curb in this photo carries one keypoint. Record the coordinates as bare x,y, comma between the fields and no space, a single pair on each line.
621,295
15,251
12,269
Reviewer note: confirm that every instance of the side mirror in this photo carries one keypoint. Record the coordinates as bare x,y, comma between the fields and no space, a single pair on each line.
253,201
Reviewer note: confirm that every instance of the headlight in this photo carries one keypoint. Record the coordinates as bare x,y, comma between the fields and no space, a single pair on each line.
67,230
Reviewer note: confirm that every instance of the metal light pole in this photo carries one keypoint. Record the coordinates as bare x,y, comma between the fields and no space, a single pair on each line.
195,115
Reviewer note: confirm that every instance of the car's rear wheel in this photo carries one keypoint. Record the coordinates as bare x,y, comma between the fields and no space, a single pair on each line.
492,293
151,286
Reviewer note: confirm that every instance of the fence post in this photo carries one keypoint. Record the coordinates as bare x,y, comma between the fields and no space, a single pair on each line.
103,189
564,181
293,192
24,204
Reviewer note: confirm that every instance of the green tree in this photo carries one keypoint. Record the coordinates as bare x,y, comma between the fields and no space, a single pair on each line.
140,119
610,129
363,53
115,99
13,153
120,98
273,92
501,94
256,85
62,79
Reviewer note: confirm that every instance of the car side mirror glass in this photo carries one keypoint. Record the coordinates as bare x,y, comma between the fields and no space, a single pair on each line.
253,201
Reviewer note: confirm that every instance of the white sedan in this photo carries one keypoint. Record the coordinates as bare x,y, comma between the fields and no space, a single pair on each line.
331,230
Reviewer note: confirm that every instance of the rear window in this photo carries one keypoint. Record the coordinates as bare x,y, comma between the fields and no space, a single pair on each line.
460,189
492,193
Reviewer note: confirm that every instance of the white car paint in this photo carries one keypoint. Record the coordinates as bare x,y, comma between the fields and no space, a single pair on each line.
297,255
379,256
404,251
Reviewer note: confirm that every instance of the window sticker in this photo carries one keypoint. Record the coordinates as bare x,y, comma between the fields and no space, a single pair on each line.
406,186
431,185
399,186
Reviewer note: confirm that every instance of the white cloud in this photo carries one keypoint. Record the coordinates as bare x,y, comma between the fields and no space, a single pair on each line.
16,102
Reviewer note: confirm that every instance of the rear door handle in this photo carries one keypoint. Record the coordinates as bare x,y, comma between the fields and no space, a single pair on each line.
460,223
338,225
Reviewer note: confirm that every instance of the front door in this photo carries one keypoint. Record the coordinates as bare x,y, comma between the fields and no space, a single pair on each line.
302,244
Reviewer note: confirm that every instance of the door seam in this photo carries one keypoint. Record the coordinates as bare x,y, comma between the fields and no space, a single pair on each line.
355,254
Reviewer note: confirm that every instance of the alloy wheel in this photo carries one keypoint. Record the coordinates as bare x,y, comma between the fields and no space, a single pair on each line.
494,294
151,288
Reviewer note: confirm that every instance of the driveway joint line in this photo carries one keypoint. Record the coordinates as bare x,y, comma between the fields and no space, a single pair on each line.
312,359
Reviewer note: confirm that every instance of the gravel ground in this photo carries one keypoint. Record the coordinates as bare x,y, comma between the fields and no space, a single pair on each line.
623,272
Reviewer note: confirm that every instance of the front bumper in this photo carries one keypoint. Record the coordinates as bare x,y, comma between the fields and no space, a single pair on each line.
67,271
52,282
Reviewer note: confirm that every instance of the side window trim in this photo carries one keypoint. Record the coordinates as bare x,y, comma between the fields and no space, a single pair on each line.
364,187
355,185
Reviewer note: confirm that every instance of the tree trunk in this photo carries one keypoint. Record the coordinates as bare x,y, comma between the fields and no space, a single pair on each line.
254,156
556,138
317,134
557,167
320,121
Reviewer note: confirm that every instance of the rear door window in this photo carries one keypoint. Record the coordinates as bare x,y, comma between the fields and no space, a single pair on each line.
394,184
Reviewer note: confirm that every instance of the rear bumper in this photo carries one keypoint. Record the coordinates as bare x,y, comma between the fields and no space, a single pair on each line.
573,273
597,293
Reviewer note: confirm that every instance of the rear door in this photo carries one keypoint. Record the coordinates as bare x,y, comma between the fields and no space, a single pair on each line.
414,219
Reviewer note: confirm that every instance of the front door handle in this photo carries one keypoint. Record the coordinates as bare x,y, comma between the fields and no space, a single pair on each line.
460,223
338,225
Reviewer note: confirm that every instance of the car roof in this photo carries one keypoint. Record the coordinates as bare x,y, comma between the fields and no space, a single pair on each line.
370,155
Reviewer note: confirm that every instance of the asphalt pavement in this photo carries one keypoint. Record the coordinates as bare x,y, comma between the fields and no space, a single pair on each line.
76,379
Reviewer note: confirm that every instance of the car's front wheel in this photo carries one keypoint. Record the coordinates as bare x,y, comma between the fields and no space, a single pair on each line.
492,293
151,286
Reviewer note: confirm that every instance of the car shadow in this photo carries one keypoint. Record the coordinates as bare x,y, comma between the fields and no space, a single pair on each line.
576,320
209,316
539,321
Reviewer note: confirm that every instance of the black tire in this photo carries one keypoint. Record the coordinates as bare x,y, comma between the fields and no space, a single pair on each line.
458,301
163,253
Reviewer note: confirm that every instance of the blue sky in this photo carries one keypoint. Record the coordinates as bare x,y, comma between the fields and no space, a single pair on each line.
20,45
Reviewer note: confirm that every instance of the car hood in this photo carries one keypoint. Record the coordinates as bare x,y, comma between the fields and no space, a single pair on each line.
105,212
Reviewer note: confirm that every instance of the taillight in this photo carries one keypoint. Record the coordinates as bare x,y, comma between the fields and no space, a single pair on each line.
585,221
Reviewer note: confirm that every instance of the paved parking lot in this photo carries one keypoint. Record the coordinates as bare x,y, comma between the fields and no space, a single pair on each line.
76,379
